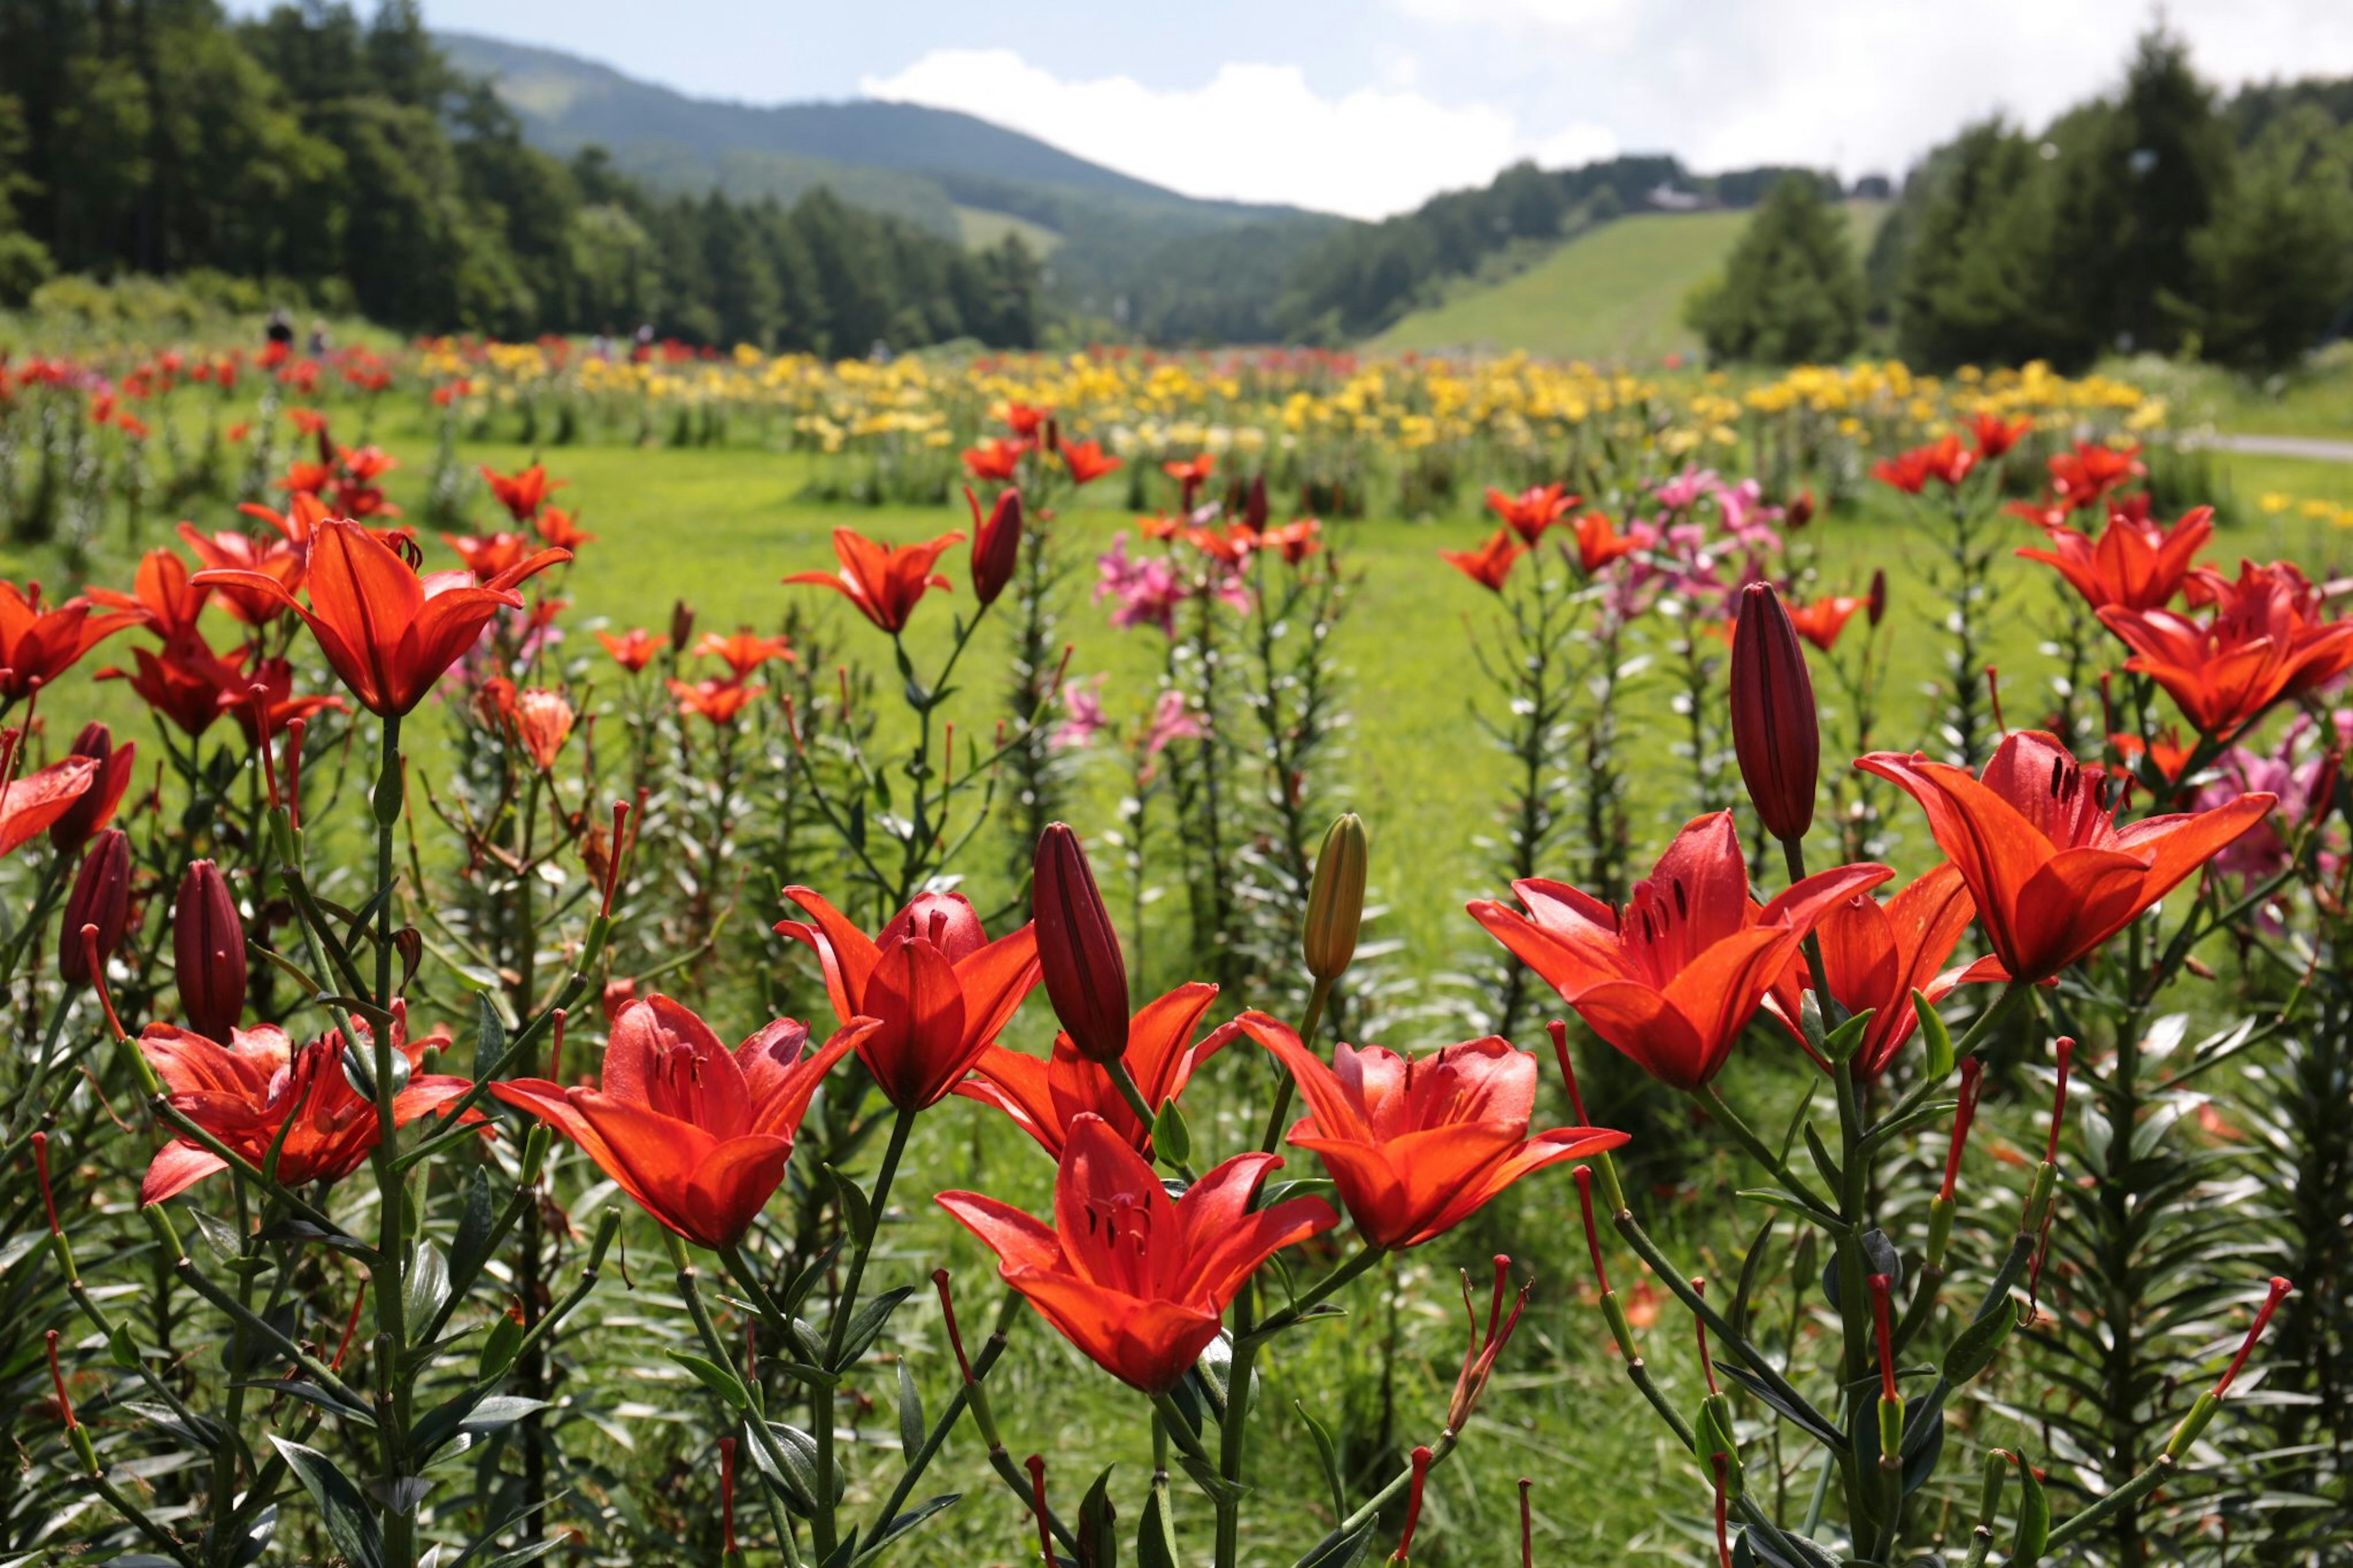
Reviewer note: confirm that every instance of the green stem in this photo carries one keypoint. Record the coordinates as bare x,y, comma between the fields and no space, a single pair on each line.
824,1528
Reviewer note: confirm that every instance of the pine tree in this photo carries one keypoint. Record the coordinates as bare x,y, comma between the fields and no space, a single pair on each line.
1791,292
2275,264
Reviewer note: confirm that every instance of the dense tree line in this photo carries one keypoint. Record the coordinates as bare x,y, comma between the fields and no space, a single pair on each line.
346,162
1790,292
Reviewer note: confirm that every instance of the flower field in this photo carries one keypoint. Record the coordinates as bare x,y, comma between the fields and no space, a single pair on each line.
1335,958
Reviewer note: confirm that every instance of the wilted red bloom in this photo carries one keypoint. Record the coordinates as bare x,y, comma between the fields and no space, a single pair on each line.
1488,564
721,701
561,528
1800,510
994,460
39,643
244,1092
2081,477
162,598
633,649
1078,948
1598,542
2052,874
95,807
1945,460
1139,1283
1672,979
543,721
522,494
745,650
2135,564
1531,511
2264,641
101,898
942,989
234,551
1996,436
1296,540
996,543
1043,1097
389,633
1877,955
1776,732
1087,461
31,806
1821,622
884,581
488,555
1418,1145
697,1134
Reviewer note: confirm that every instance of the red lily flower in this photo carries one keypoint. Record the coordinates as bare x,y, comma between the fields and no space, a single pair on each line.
31,806
721,701
1996,436
884,581
1191,474
562,529
2167,752
1139,1283
2264,642
522,494
488,555
389,633
1228,546
162,598
303,513
1533,510
2081,477
278,705
2052,874
234,552
1672,978
1296,540
1488,564
542,722
1945,460
94,807
745,650
244,1092
1023,419
1416,1146
39,643
633,649
1044,1097
183,684
1598,542
697,1134
1821,622
942,989
2135,564
1877,955
994,460
1087,461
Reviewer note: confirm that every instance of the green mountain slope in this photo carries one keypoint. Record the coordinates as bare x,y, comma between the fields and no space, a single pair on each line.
1615,294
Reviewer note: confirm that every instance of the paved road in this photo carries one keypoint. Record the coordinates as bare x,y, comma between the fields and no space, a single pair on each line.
2319,449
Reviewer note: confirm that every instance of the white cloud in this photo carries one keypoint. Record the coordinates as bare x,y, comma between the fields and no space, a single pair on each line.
1252,132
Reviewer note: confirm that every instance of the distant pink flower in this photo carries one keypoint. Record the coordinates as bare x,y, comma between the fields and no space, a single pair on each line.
1172,721
1746,518
1146,592
1685,490
1082,701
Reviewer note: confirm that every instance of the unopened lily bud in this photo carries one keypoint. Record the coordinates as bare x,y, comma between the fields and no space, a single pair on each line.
208,952
1078,950
996,545
101,899
1254,511
1335,899
1776,732
1801,510
95,807
1875,607
682,626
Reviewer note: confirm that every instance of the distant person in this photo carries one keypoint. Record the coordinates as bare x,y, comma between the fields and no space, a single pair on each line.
318,341
279,332
880,353
644,348
600,347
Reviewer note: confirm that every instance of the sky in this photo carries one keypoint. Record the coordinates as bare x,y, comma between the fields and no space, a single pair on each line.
1367,107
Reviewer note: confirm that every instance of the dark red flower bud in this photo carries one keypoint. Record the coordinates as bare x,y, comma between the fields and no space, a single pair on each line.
1875,606
96,807
1254,511
208,952
101,898
1801,510
1078,950
1776,732
996,545
682,626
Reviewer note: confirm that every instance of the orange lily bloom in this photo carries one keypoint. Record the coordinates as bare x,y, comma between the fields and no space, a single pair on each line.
995,458
2037,842
522,494
1672,978
1533,510
1296,539
2265,641
1488,564
39,642
183,683
31,806
1598,542
745,650
1139,1283
543,721
1996,436
1875,956
884,581
243,1093
2081,477
162,598
1821,622
1945,460
1418,1145
942,989
1044,1097
488,555
2136,564
2167,752
562,529
721,701
1087,461
234,551
389,633
633,649
697,1134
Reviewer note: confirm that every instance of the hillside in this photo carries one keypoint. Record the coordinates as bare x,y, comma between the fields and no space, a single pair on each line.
1615,294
